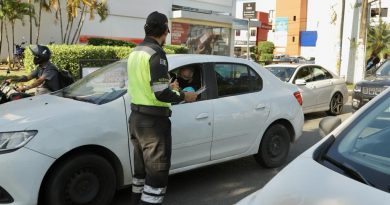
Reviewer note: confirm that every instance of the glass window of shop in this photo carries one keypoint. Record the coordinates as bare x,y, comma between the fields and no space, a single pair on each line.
201,39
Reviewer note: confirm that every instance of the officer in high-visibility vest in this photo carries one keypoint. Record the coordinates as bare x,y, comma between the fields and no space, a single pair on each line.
151,94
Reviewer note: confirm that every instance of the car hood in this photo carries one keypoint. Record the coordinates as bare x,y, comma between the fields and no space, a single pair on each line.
306,182
375,81
23,114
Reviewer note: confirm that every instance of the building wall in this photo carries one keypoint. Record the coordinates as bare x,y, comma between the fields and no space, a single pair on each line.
126,20
296,13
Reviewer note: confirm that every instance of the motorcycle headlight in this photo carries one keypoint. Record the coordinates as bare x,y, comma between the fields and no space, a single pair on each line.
15,140
357,88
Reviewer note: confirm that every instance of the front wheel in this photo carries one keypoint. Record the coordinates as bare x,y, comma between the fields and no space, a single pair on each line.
274,147
84,180
336,104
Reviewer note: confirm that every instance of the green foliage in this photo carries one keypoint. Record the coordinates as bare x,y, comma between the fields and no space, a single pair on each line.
16,10
378,39
266,47
109,42
265,50
177,49
68,56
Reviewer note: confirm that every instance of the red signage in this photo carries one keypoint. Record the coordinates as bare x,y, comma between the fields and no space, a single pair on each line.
179,33
266,26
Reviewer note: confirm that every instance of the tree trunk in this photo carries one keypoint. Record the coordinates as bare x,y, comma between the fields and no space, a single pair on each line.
81,27
13,43
79,24
6,36
39,22
31,28
1,36
62,28
70,31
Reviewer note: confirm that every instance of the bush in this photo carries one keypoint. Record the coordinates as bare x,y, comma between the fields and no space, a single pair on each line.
109,42
68,56
266,47
266,57
177,49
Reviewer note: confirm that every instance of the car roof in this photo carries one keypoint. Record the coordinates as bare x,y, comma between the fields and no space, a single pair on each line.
289,65
177,60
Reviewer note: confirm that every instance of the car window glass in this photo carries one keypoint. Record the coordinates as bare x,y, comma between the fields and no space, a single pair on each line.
320,74
232,79
186,82
283,73
256,80
384,70
101,86
305,74
368,142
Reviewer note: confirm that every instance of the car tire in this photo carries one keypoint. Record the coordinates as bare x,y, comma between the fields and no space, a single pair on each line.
84,180
274,147
336,104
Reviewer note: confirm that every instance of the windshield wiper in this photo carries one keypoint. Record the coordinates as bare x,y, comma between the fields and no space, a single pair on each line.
349,170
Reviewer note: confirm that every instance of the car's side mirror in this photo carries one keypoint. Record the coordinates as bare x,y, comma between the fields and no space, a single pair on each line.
328,124
300,82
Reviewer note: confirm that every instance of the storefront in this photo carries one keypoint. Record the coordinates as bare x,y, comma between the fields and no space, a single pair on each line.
192,29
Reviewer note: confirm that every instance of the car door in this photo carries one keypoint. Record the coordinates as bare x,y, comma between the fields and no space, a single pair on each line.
239,109
323,86
191,129
308,91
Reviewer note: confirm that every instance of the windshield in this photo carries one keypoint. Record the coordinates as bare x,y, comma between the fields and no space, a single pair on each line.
283,73
102,86
365,145
384,70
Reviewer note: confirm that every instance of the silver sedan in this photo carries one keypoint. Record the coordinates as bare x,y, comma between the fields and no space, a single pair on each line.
321,89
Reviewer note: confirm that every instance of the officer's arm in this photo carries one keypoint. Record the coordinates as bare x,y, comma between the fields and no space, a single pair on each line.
160,81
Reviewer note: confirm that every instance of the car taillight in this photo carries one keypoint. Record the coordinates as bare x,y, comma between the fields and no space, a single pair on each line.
298,96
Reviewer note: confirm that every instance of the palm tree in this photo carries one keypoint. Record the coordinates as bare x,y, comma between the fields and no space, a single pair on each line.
378,38
90,6
13,11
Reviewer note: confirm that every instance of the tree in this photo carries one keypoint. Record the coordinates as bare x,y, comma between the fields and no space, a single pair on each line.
378,38
90,6
12,11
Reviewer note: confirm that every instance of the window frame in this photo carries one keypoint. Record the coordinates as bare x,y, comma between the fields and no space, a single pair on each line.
251,83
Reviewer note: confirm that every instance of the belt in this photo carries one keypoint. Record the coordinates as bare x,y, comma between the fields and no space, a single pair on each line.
152,110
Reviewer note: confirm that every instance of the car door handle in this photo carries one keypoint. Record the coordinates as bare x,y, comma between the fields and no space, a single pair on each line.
260,107
202,116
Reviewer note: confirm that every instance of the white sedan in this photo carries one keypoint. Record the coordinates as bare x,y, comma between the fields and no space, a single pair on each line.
351,166
321,89
72,146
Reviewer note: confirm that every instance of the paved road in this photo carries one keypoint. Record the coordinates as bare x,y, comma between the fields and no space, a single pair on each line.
229,182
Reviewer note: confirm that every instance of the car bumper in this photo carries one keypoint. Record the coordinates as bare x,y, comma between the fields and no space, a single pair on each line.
21,174
360,99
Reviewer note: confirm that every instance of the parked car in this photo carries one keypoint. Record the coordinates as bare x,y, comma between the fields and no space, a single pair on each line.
72,146
281,58
302,60
376,82
321,89
350,166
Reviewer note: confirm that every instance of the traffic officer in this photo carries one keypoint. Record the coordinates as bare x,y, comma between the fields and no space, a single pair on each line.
151,94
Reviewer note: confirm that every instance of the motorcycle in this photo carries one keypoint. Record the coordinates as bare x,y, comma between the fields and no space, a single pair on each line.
9,93
19,55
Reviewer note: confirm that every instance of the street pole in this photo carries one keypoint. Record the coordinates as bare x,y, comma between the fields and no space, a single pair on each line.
247,45
340,38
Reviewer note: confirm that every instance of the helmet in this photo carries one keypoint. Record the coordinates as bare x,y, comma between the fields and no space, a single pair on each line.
156,24
41,53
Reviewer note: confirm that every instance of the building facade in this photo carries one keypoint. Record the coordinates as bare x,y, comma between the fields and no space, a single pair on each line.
203,25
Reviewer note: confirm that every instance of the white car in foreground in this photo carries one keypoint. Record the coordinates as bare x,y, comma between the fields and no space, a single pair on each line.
72,146
321,89
351,166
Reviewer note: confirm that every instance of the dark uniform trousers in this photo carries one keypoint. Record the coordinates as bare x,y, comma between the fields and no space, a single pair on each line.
152,141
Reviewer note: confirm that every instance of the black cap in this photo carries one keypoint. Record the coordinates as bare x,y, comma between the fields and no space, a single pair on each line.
156,24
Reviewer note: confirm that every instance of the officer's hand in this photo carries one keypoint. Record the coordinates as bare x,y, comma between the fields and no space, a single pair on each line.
174,85
190,96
